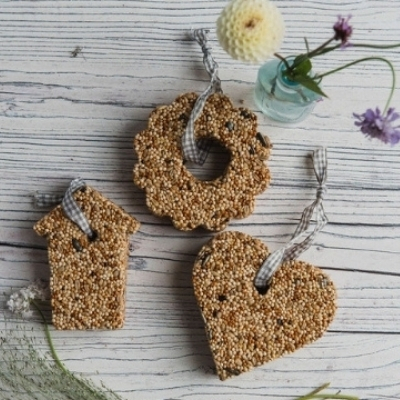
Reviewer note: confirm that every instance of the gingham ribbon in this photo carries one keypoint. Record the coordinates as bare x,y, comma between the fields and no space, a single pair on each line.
294,248
69,205
46,199
192,151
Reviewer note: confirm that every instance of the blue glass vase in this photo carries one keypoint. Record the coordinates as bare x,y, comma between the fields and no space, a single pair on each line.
280,98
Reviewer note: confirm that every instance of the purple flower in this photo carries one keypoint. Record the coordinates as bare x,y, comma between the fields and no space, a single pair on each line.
343,30
379,126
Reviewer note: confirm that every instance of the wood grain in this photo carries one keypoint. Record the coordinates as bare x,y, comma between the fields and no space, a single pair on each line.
66,114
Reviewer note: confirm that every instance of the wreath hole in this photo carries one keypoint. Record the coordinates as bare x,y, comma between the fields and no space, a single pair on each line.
217,161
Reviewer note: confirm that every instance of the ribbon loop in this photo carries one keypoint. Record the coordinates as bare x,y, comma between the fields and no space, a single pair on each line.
294,248
72,210
192,151
69,205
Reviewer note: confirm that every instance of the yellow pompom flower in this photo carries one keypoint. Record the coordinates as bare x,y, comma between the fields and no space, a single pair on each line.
250,30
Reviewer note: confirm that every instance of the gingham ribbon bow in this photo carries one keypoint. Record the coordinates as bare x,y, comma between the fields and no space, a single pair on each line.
192,151
293,249
69,205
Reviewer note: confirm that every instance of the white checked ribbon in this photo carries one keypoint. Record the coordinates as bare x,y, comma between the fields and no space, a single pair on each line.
69,205
294,248
192,151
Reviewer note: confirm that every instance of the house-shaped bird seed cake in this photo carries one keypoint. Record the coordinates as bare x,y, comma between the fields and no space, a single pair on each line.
88,275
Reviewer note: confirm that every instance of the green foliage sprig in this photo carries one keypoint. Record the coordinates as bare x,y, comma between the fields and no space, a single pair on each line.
316,394
25,374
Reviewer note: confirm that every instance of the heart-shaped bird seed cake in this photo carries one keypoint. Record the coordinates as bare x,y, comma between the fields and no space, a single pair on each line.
245,328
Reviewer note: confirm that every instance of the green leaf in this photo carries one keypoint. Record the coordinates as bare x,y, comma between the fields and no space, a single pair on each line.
308,83
303,68
299,59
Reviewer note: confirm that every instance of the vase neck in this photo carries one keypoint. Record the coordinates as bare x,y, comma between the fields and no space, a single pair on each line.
284,80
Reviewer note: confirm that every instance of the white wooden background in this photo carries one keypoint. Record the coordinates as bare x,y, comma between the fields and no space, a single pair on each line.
63,116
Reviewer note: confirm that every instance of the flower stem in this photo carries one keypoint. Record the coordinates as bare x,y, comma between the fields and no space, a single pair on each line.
329,49
49,340
318,50
310,54
285,62
367,59
329,396
315,394
375,46
315,391
363,45
96,393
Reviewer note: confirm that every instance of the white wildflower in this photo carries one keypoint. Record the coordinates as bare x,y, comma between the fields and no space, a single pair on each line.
250,30
20,301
